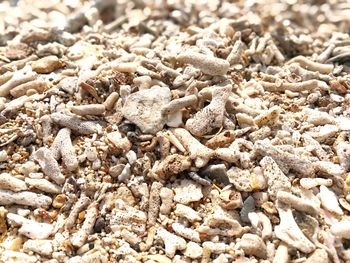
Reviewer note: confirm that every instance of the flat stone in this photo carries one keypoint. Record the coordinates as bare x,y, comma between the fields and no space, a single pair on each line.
144,108
47,64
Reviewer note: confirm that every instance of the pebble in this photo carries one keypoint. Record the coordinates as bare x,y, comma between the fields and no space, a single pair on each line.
3,156
47,64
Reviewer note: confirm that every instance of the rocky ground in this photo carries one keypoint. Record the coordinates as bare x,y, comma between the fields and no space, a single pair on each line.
174,131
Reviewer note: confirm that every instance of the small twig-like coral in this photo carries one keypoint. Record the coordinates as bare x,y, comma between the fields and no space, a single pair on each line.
329,200
154,203
198,152
78,239
298,203
297,86
49,165
311,65
177,104
76,124
289,232
186,232
8,197
81,204
19,77
208,65
90,109
43,185
62,147
12,183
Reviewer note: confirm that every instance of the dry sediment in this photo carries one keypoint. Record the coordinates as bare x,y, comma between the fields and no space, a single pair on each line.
174,131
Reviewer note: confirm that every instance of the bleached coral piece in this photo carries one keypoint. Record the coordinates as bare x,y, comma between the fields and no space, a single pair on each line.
62,147
42,247
281,255
187,191
301,204
309,183
79,238
329,200
167,196
49,165
198,152
207,64
211,116
219,223
187,212
193,250
285,161
241,179
341,229
8,197
75,123
319,255
19,77
90,109
260,221
253,245
316,117
10,182
82,203
172,165
127,217
276,179
186,232
43,185
144,108
343,153
289,232
311,65
30,228
172,242
329,168
269,118
154,203
15,256
177,104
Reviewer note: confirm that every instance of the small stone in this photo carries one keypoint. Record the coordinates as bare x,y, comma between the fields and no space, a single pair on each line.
47,64
99,225
17,51
3,156
144,108
125,194
16,244
59,201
